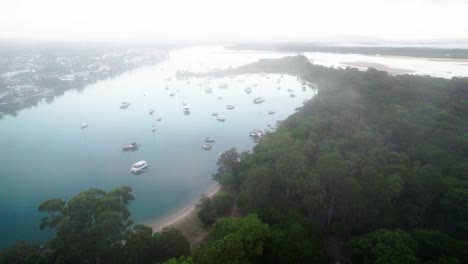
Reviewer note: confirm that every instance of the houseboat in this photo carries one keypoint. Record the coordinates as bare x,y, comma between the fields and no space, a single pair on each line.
139,167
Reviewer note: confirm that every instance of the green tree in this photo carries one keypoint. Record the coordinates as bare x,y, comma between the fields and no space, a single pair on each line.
234,240
384,247
89,225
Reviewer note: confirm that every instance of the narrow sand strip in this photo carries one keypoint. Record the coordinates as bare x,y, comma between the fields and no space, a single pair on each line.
171,219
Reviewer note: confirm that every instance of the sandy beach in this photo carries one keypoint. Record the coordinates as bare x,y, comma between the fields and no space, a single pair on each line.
180,214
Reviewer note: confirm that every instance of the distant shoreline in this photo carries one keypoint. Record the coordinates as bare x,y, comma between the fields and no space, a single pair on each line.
180,214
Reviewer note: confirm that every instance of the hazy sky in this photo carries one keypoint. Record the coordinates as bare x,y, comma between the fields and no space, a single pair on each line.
235,19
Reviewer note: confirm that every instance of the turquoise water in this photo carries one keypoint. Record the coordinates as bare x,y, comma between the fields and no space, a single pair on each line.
45,154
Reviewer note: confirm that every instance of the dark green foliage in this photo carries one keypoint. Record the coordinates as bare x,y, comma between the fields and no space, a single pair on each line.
95,227
234,240
370,151
210,209
384,247
21,252
89,226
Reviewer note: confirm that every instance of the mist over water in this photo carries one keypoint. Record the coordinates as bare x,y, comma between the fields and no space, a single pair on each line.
46,154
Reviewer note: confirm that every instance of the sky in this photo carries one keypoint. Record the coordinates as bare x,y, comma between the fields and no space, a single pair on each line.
255,20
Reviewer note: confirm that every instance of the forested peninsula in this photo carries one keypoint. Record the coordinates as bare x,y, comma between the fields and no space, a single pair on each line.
371,170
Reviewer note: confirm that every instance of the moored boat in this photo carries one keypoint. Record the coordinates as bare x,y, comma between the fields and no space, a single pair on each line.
206,146
130,147
209,140
258,100
124,105
230,107
139,167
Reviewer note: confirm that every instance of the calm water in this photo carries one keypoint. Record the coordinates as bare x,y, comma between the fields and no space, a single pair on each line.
45,154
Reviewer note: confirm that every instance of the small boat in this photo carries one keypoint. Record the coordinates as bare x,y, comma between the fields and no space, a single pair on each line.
255,85
124,105
153,128
279,87
208,90
214,114
139,167
83,125
292,95
220,97
230,107
223,86
256,133
151,111
167,88
220,118
290,90
130,147
159,119
186,109
172,94
258,100
206,146
209,140
271,112
248,90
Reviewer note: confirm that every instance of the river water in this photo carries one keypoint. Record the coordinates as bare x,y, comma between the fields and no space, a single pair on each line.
45,154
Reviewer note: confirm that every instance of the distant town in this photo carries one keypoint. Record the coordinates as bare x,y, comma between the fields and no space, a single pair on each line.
33,74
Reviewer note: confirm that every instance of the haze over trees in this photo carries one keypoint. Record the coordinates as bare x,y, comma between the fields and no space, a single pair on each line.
372,170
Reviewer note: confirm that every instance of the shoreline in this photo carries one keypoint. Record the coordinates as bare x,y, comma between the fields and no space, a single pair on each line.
179,215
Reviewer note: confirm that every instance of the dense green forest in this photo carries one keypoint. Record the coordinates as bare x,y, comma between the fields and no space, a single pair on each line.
374,169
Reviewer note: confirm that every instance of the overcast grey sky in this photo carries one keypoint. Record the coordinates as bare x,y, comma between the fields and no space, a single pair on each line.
107,20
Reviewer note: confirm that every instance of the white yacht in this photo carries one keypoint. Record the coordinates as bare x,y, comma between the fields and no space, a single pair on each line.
206,146
258,100
139,167
124,105
230,107
186,109
209,140
84,125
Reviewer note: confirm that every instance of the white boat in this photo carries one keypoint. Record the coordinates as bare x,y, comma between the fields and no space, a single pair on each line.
220,97
220,118
209,140
230,107
124,105
151,111
256,133
271,112
186,109
248,90
292,95
84,125
130,147
139,167
208,90
153,128
159,119
223,86
258,100
214,114
290,90
172,94
206,146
